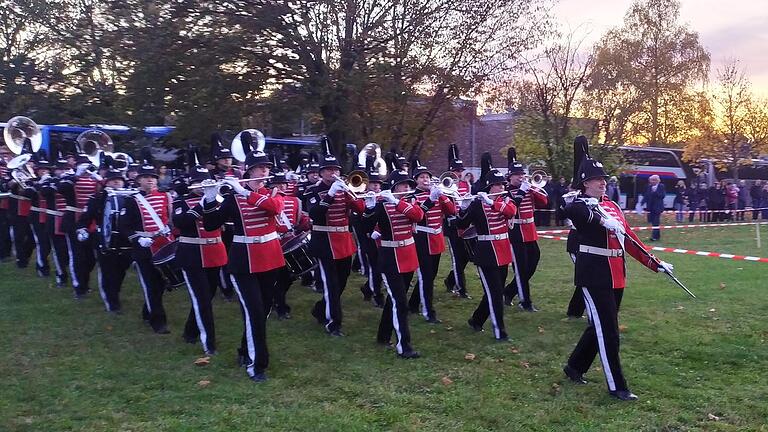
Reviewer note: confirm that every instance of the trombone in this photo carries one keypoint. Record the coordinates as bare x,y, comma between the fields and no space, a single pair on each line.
448,184
220,183
356,183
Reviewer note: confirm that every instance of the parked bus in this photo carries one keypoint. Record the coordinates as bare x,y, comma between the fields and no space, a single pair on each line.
643,162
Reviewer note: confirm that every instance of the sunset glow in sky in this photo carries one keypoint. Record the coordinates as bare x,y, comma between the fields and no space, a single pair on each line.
735,29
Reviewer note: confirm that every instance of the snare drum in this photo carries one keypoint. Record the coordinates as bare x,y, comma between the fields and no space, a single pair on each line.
295,248
165,261
470,242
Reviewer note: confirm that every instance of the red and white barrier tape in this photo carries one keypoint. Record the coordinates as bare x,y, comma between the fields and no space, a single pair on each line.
645,228
688,252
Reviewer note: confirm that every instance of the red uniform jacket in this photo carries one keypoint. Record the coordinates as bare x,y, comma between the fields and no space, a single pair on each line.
136,222
429,231
490,220
331,237
397,249
522,228
290,207
188,220
254,222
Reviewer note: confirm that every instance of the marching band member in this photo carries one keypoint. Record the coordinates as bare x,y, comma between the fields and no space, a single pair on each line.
76,190
144,220
290,219
221,158
489,213
312,173
600,272
430,242
371,289
200,254
112,246
331,242
456,281
38,215
58,208
19,210
393,220
522,230
255,255
5,227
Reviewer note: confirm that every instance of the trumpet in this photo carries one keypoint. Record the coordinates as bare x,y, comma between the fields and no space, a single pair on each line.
370,194
537,179
448,184
220,183
357,182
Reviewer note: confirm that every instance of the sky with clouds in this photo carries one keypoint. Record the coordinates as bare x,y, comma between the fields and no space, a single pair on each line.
735,29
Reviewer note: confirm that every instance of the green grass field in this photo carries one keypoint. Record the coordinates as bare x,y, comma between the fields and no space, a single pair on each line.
696,364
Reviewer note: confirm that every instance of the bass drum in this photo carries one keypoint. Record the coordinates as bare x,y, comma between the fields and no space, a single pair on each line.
469,237
297,259
165,261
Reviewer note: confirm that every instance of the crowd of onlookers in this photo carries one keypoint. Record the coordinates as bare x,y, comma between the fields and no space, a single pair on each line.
721,201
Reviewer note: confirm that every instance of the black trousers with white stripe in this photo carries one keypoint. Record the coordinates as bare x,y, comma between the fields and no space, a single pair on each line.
284,280
394,317
42,247
60,254
23,242
333,276
113,265
373,272
456,279
5,235
425,286
82,260
527,255
201,285
601,335
492,304
255,291
576,306
153,287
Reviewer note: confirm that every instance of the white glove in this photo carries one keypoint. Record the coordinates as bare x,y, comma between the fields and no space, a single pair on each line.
82,234
291,176
465,202
210,192
96,177
591,201
145,242
370,201
237,187
570,196
336,187
525,186
666,267
435,193
486,199
389,197
165,231
612,224
45,177
375,235
81,169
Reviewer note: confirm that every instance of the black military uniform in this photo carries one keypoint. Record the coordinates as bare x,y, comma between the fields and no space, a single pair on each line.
456,280
371,288
219,153
38,215
113,250
5,227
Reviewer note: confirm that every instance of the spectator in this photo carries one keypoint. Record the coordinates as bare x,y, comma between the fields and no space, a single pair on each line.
681,197
755,192
654,204
732,199
716,202
703,197
164,181
764,201
692,198
546,213
745,199
612,190
561,188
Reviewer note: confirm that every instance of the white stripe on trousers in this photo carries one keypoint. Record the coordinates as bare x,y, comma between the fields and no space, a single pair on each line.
38,251
518,282
326,294
143,287
13,241
56,259
395,320
370,277
453,265
422,298
600,340
496,330
72,272
249,342
100,279
198,317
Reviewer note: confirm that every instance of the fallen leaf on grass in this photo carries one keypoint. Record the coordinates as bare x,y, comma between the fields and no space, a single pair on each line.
499,360
514,350
712,417
203,361
469,356
622,328
525,365
446,381
681,307
541,330
203,383
722,285
555,389
449,328
109,328
713,310
432,331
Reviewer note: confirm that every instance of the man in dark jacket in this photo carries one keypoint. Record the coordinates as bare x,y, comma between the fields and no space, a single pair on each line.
653,198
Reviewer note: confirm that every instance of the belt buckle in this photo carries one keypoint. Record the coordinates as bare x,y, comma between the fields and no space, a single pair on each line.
401,243
497,237
209,241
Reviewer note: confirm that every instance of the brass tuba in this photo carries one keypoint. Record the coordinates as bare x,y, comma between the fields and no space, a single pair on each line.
17,130
92,143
